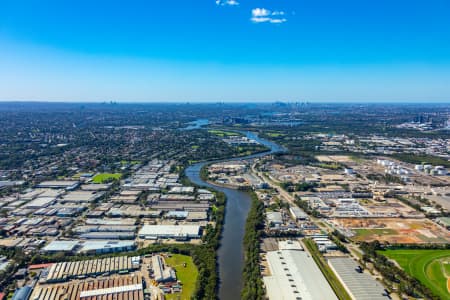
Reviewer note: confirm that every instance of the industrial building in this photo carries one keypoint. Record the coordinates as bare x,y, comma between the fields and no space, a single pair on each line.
295,275
22,293
195,216
181,205
104,228
274,218
81,196
40,202
108,235
298,213
65,271
99,247
359,285
59,184
111,222
61,246
90,247
120,287
179,232
323,243
177,214
161,271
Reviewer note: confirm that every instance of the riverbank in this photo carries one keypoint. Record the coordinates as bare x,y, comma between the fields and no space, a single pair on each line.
230,255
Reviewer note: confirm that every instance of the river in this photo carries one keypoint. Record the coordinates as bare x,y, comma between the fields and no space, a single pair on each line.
231,251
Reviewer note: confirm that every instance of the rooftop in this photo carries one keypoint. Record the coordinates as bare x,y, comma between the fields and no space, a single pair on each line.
360,285
295,276
61,246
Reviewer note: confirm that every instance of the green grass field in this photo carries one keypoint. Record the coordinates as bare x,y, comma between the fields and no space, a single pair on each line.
431,267
104,177
187,275
223,133
275,134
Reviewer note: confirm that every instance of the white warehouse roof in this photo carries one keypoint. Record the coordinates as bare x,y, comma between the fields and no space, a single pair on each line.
295,275
170,230
361,286
111,290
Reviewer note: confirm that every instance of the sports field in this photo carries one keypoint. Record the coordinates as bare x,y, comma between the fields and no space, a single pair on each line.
105,177
431,267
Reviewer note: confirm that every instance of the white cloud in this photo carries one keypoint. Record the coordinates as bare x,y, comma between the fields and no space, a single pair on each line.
277,13
260,19
262,15
260,12
277,21
227,2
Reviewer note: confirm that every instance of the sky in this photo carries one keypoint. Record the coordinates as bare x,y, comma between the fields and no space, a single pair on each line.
225,50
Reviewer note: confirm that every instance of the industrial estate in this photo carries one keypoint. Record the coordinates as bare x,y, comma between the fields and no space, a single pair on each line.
205,201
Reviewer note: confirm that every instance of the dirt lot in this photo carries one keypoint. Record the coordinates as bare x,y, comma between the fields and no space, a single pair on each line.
395,230
334,158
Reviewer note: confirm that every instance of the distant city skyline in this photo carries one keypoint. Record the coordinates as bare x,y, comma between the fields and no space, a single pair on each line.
225,50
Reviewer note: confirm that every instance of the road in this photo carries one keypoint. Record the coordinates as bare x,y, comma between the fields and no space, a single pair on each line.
354,249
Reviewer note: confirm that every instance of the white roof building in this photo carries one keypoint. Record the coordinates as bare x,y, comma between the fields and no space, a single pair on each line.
274,218
162,272
295,276
169,231
360,286
40,202
298,213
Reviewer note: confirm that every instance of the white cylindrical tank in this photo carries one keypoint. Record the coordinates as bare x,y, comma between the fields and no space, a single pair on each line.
418,167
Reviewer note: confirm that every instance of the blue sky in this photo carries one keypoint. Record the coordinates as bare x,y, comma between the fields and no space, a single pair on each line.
230,50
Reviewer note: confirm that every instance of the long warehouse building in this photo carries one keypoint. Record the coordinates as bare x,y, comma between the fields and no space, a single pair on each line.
360,285
180,232
295,275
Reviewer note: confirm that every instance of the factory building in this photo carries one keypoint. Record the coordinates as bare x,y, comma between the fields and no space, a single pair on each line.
295,275
59,184
123,287
161,272
61,246
298,213
359,285
108,235
179,232
65,271
274,218
90,247
100,247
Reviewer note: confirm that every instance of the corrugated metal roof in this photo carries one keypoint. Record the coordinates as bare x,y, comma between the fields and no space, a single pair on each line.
112,290
295,275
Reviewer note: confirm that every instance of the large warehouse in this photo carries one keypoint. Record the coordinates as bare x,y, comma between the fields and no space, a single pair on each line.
180,232
295,275
360,285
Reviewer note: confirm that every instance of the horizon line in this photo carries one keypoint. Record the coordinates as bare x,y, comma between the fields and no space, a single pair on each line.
112,102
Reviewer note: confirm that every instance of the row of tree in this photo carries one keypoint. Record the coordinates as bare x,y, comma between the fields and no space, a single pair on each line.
307,208
406,284
299,187
253,287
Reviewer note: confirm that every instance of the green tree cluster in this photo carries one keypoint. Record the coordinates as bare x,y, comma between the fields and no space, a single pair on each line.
253,287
